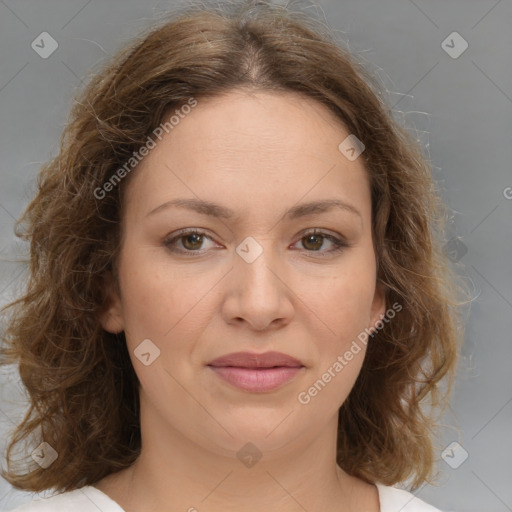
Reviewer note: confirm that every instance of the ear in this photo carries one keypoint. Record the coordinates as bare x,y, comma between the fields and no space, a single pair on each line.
111,314
378,310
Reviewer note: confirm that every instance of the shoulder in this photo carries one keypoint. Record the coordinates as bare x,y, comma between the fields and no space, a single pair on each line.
86,499
399,500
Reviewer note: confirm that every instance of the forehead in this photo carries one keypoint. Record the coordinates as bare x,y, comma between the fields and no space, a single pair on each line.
251,146
263,123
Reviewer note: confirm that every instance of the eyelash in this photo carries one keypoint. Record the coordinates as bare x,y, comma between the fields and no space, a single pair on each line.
339,243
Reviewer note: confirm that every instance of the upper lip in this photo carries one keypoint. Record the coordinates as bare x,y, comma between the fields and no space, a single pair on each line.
253,360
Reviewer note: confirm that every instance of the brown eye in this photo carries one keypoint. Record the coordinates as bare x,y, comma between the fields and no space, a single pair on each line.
313,242
192,241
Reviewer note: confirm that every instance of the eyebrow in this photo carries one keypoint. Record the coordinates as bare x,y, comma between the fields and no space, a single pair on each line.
219,211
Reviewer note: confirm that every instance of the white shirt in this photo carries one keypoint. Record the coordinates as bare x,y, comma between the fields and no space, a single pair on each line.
90,499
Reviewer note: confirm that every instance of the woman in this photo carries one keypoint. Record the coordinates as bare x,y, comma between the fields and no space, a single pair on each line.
237,298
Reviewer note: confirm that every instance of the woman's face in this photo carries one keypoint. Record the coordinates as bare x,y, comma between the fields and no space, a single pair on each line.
255,280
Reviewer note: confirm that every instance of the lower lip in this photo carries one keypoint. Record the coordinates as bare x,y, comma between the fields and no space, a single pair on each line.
256,379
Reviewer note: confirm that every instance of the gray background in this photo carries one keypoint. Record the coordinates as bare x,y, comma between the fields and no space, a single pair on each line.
460,109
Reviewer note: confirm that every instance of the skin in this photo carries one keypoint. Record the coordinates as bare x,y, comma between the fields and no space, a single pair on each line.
258,154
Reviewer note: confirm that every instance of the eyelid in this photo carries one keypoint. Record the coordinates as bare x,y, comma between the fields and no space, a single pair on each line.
321,231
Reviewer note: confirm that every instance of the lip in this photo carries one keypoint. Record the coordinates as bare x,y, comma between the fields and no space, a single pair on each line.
254,379
254,360
256,372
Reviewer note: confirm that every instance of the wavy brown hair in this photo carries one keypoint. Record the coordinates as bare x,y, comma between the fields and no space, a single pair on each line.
83,390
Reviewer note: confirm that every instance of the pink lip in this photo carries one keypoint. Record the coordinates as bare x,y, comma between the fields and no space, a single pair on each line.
256,379
256,372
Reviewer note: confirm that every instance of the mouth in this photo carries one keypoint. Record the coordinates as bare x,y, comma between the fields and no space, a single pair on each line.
256,372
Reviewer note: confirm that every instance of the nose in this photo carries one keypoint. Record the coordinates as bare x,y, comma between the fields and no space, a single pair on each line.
257,292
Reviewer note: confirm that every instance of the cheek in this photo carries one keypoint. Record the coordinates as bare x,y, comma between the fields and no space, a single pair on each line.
344,301
155,299
345,310
166,304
